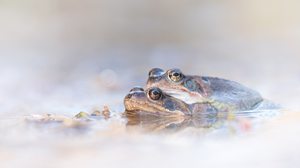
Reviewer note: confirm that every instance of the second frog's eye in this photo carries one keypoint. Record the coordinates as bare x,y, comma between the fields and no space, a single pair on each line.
155,93
175,75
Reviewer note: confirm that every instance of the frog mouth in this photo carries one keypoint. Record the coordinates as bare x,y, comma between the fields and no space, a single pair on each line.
136,106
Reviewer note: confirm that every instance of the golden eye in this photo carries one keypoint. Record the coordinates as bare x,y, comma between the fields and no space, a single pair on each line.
155,93
175,75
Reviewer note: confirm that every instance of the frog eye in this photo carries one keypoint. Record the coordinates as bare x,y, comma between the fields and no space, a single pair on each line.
175,75
155,93
156,72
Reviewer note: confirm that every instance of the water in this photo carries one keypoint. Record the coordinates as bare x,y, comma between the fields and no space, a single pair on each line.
112,143
250,139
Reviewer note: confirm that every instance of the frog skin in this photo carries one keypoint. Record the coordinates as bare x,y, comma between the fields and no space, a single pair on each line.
202,89
155,102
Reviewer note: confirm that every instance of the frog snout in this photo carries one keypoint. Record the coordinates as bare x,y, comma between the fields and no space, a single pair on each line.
128,96
136,95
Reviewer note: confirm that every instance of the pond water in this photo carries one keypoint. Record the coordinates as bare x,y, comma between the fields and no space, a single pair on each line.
31,138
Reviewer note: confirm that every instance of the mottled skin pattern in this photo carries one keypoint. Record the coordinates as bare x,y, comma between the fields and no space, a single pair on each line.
139,101
220,93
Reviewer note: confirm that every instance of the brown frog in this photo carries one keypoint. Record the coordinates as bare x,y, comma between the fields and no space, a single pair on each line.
155,102
202,89
155,110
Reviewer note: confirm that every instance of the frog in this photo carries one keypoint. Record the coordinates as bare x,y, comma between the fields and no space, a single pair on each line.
156,102
193,89
154,109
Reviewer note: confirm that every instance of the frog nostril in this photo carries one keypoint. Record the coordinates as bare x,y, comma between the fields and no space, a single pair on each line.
128,96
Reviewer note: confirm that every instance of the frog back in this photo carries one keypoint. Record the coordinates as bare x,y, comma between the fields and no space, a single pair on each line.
233,94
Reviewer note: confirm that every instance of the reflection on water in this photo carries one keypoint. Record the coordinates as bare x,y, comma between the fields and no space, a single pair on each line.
151,123
145,122
218,120
105,141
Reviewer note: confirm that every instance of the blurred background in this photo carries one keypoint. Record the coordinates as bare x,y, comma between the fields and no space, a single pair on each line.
63,50
66,56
